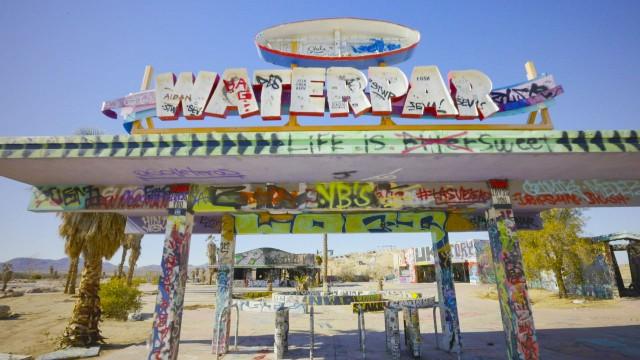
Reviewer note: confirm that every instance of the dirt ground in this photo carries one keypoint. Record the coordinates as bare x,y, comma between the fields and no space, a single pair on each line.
41,319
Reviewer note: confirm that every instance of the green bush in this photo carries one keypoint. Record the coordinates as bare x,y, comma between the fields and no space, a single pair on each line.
138,280
118,300
253,295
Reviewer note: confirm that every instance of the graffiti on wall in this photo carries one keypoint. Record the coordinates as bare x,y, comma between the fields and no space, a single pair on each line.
322,143
342,196
270,256
165,335
515,306
185,174
577,193
380,222
89,197
156,224
460,252
339,196
207,224
269,306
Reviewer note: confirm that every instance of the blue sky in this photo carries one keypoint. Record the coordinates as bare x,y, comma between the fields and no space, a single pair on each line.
60,60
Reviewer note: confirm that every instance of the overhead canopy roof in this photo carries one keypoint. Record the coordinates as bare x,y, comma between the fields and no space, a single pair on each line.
291,157
400,176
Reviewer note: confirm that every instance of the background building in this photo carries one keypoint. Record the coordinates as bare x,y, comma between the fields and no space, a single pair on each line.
470,258
253,268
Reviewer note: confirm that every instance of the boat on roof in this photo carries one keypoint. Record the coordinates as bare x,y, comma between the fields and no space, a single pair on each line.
359,43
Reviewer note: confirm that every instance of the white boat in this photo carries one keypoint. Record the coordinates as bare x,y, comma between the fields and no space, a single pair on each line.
337,42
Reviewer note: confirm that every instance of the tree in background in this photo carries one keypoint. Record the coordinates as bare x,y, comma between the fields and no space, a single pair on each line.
72,247
557,247
319,269
134,241
125,249
100,235
7,274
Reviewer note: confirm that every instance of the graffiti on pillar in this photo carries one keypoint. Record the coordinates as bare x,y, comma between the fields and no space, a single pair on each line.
281,334
169,303
392,332
412,330
515,307
225,286
442,250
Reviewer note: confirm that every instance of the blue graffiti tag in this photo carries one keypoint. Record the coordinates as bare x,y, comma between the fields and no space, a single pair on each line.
376,46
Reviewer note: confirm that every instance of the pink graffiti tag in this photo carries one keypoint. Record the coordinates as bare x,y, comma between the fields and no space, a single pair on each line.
449,141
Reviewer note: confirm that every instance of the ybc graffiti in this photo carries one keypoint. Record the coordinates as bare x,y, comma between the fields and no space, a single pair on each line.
339,196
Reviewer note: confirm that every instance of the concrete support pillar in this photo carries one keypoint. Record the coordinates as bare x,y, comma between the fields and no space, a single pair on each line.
281,335
362,333
254,274
633,250
312,339
450,339
614,270
165,336
325,264
392,331
222,323
515,306
412,330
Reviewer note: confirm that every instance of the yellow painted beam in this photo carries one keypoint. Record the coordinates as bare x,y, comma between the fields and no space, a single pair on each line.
329,128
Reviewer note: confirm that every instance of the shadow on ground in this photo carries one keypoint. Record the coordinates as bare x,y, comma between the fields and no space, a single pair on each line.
610,343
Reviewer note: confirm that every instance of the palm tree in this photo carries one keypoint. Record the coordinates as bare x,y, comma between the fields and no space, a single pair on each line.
72,247
134,241
101,235
317,270
125,248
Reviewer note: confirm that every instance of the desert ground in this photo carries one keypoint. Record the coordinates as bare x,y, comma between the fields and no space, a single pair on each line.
566,329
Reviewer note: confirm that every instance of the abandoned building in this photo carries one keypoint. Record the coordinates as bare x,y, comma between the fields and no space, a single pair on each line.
470,260
255,267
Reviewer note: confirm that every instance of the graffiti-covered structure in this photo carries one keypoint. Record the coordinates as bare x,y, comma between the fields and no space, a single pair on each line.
433,175
626,242
255,267
470,262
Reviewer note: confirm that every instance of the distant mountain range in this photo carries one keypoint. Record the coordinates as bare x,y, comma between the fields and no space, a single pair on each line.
34,265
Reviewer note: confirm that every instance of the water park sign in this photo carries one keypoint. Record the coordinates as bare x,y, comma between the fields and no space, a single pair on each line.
318,82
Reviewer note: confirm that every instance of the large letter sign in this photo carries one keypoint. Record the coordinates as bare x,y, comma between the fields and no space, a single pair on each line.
272,82
307,86
385,84
185,94
428,93
233,92
384,91
471,89
345,87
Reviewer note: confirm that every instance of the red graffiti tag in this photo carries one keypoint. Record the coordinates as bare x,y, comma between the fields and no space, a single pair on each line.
450,141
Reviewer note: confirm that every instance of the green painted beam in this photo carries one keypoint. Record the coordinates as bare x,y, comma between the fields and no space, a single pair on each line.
321,143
